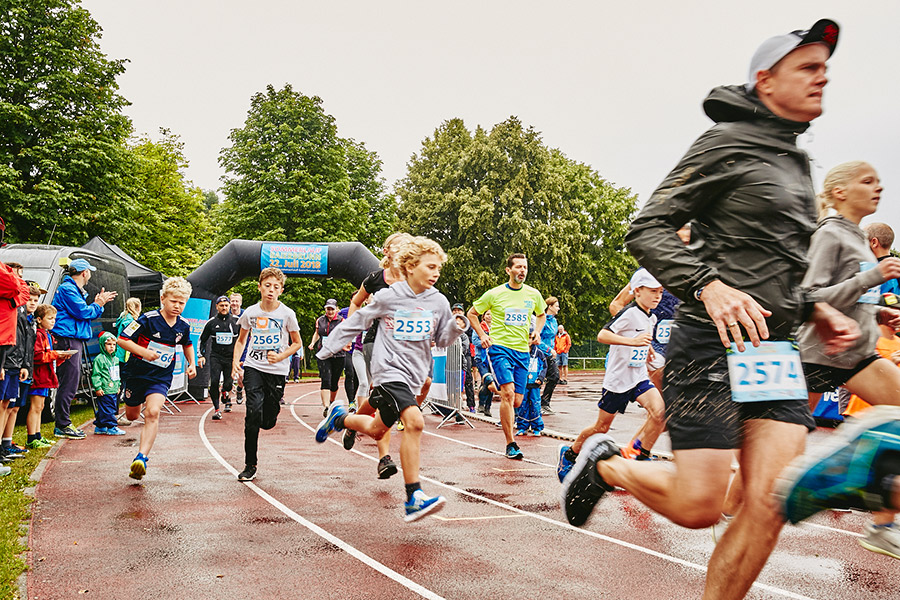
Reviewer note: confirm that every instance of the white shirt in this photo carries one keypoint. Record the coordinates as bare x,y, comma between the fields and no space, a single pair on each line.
622,374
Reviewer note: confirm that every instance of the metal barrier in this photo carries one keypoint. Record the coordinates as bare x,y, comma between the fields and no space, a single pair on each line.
446,396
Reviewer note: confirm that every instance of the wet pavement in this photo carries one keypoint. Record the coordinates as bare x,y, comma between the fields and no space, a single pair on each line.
318,523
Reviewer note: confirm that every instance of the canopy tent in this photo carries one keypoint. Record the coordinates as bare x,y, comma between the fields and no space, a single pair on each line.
145,283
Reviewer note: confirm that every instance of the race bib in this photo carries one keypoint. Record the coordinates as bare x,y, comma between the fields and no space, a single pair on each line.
664,331
413,325
873,294
224,338
638,357
533,365
132,327
516,317
771,372
166,354
114,372
265,339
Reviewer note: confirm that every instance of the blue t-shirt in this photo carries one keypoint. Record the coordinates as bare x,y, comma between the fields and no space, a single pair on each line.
150,330
664,310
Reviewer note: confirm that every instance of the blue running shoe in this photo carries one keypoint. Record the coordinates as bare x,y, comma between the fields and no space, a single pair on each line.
138,467
513,452
114,431
841,474
521,432
327,426
583,487
101,431
422,505
564,465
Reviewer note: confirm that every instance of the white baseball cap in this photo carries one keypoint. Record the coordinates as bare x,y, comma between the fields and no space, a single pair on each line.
824,31
643,278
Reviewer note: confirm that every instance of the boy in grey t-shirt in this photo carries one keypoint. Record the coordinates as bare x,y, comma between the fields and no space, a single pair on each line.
270,331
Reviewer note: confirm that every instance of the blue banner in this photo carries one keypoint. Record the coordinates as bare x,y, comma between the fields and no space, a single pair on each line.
295,259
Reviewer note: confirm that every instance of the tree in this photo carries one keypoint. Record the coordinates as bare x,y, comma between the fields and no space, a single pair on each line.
63,159
290,177
483,196
210,199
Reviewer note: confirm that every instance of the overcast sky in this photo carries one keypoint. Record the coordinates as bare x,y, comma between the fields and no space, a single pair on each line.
615,85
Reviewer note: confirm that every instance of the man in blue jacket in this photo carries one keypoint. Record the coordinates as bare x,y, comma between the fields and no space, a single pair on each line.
73,328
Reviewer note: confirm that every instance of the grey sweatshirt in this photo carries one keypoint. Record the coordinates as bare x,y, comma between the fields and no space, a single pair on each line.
393,359
837,248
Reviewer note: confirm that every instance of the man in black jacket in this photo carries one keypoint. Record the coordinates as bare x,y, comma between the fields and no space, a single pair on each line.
217,347
745,187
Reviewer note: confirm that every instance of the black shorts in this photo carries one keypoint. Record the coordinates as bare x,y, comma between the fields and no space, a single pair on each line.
822,378
391,399
699,410
330,371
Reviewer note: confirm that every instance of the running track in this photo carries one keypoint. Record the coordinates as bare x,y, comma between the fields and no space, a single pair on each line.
317,523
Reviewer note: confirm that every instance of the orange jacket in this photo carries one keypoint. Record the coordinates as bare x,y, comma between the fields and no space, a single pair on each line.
563,343
14,293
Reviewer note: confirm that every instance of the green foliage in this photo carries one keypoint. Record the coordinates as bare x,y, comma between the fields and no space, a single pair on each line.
290,177
171,232
483,196
63,159
210,199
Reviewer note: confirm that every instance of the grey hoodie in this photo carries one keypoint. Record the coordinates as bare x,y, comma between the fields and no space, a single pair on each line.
745,188
393,359
838,247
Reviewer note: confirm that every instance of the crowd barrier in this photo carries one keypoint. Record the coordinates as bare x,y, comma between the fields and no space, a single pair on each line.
447,396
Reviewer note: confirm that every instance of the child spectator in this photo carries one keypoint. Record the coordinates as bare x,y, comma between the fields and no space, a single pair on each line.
25,335
562,344
626,380
274,336
14,369
151,339
528,415
413,316
44,378
105,383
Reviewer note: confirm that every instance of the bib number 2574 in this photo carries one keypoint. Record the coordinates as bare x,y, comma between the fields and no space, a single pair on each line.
772,371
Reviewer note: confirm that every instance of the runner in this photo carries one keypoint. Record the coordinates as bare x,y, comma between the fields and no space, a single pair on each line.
414,315
508,342
387,275
548,343
330,370
222,330
746,188
236,301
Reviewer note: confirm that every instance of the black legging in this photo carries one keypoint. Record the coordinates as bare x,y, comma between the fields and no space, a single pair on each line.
219,367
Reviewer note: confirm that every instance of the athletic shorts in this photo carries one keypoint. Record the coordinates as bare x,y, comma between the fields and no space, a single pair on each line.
23,396
137,390
699,410
9,387
615,402
509,366
822,378
390,399
42,392
563,358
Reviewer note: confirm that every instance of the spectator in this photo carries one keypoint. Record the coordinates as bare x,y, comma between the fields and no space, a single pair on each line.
562,345
25,337
296,369
105,383
548,339
13,369
127,317
73,328
881,238
44,379
459,310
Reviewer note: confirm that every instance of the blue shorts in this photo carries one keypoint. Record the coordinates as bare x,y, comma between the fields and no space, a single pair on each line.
509,366
43,392
23,396
563,359
137,390
9,387
615,402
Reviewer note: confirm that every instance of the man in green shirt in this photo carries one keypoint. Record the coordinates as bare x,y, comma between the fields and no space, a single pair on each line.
512,305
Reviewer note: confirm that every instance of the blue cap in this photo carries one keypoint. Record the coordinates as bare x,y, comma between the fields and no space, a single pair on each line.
80,264
222,299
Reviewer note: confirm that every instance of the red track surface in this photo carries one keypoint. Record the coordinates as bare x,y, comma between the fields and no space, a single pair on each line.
190,530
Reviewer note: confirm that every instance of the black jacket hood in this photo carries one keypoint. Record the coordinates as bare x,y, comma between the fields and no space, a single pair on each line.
733,103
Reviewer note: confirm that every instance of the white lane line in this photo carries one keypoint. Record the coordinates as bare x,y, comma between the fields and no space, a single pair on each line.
835,529
618,542
497,452
357,554
440,518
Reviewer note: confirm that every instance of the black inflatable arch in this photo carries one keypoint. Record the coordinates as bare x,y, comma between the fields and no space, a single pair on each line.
243,259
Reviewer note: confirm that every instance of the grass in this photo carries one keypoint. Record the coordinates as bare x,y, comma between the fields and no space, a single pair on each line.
15,504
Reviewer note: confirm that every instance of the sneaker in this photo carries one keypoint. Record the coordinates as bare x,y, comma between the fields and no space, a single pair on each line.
400,426
564,465
228,407
138,467
521,432
327,425
248,474
217,416
239,398
513,452
4,470
9,455
352,407
101,430
123,420
536,433
386,467
546,410
69,432
38,444
472,409
840,474
114,431
16,449
349,439
487,412
883,539
583,487
422,505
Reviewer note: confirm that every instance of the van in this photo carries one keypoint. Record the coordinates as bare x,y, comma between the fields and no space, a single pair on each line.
45,265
